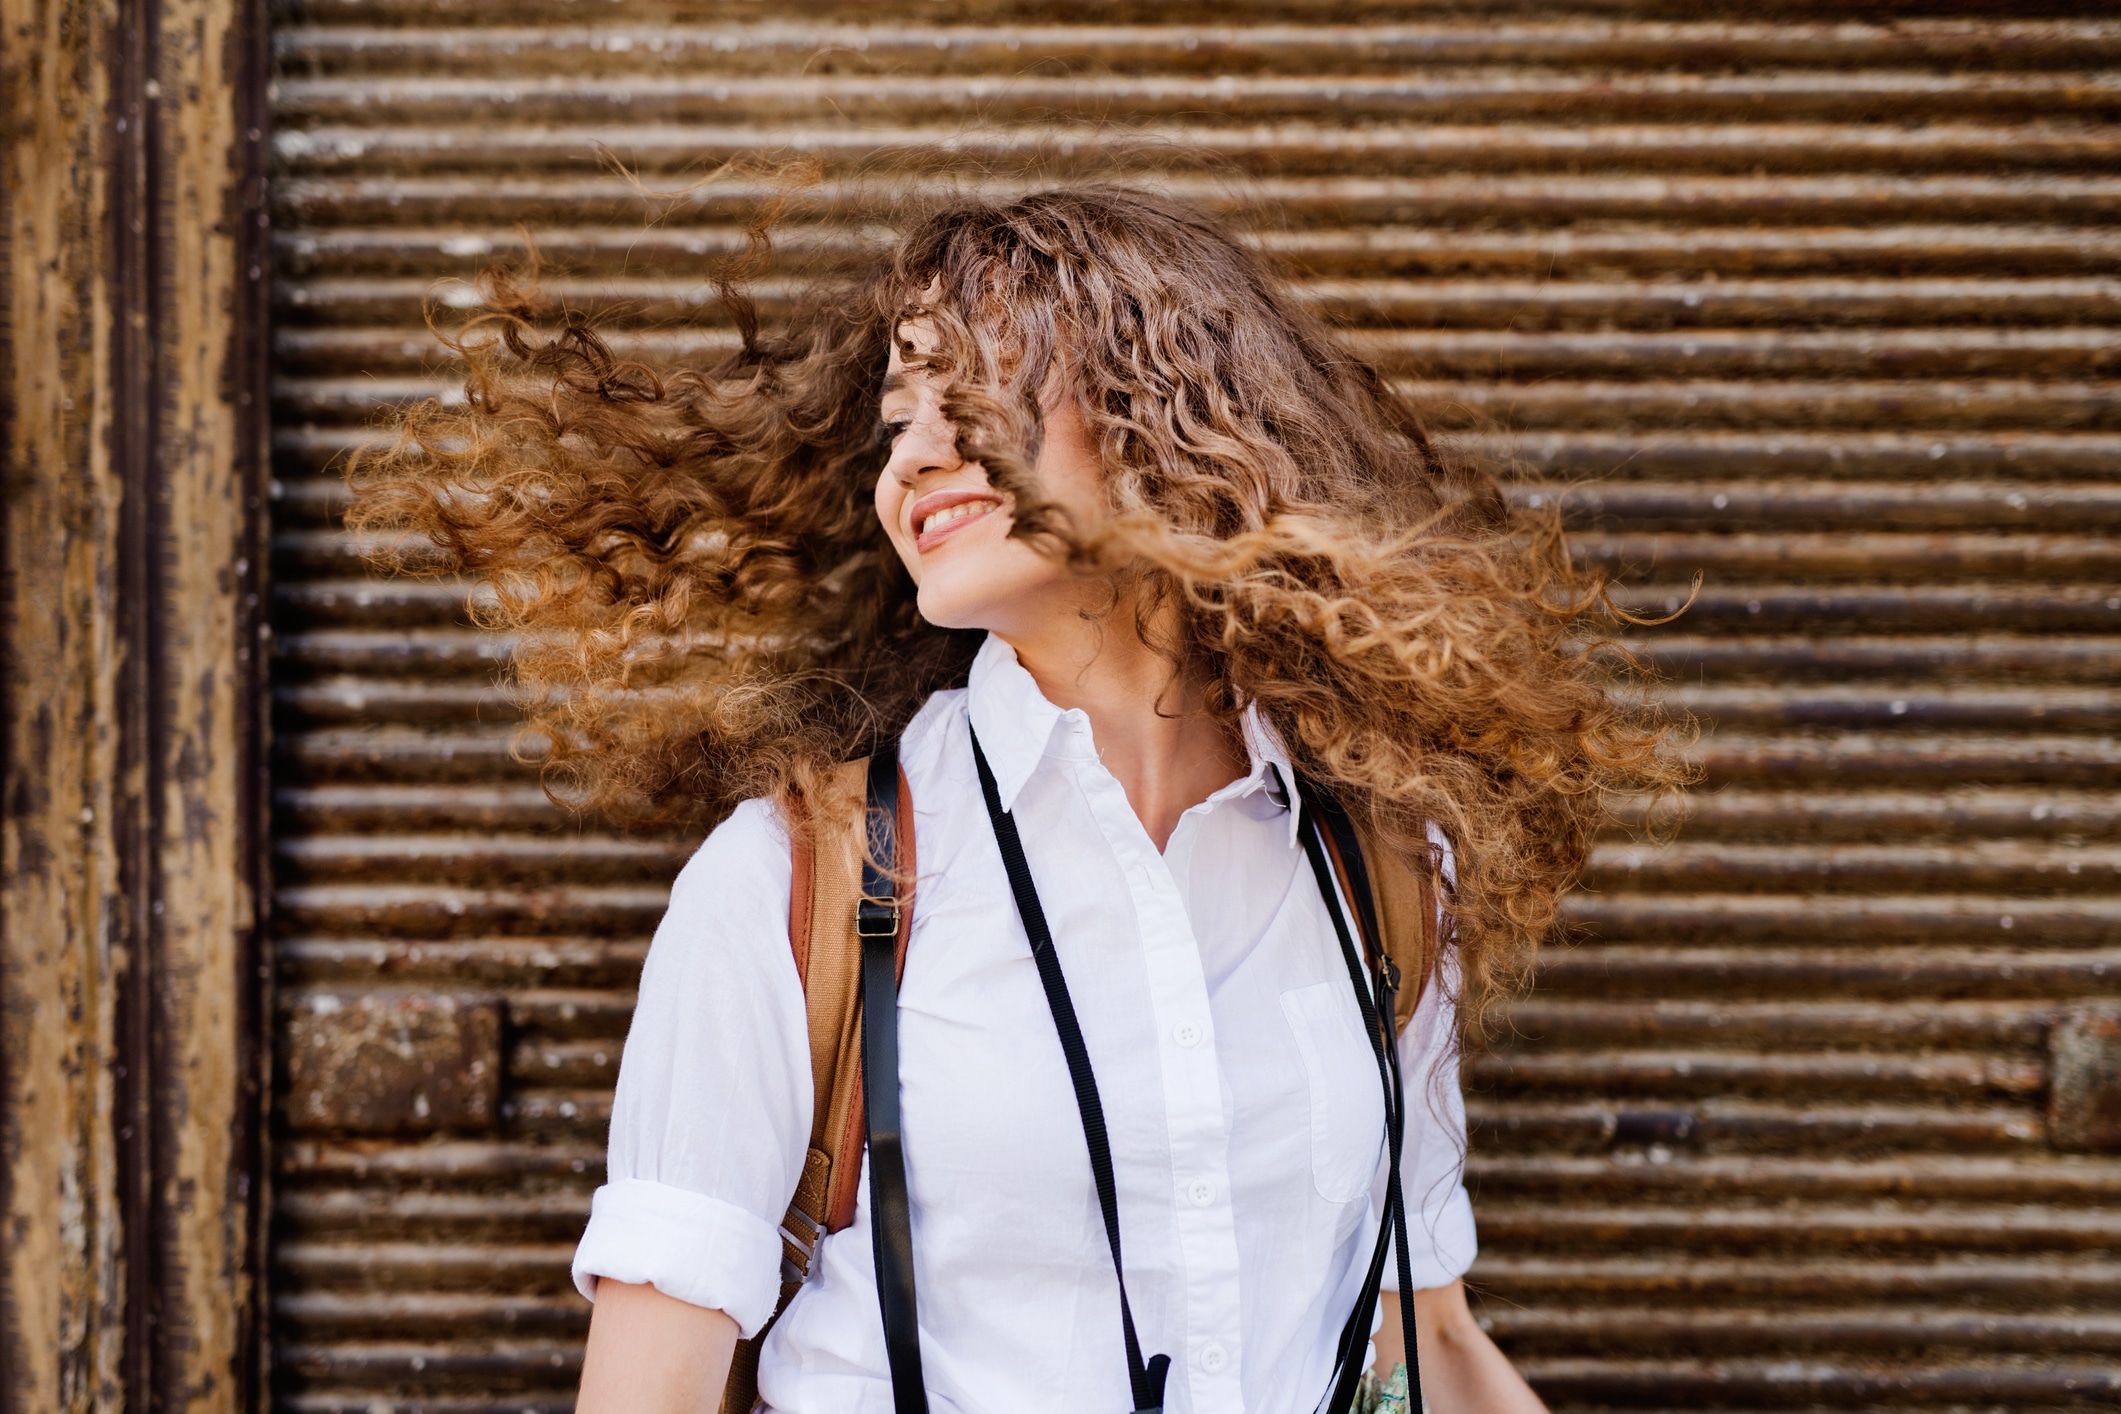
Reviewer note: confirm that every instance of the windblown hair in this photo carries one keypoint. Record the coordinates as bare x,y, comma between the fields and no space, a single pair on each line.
706,608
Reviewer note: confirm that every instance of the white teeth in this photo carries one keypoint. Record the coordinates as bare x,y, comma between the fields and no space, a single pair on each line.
956,512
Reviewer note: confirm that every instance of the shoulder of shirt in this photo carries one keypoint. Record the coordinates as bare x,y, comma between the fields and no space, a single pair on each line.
728,910
720,957
745,853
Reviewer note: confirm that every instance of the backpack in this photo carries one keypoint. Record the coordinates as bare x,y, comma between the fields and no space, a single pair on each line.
1393,898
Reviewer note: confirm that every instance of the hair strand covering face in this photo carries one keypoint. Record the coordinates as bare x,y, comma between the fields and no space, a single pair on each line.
704,607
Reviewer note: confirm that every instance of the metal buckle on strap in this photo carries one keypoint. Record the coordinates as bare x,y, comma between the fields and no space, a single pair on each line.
877,917
798,1248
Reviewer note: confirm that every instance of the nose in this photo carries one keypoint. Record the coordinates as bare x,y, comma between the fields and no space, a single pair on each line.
929,445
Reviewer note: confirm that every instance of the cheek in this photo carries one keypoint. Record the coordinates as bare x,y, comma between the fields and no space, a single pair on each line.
983,579
1070,470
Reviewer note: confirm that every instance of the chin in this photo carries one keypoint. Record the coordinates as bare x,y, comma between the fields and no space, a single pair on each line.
947,610
1014,589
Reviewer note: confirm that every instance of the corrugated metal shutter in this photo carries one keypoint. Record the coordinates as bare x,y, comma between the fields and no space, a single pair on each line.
1826,309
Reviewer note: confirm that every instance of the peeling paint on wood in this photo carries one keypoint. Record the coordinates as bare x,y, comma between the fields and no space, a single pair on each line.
130,1089
64,924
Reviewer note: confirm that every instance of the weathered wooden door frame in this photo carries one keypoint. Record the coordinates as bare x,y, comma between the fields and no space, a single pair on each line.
132,989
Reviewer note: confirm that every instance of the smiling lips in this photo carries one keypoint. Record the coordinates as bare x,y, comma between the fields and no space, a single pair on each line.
935,516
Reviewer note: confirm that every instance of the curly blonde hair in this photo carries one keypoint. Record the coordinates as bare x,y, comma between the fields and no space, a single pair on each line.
706,608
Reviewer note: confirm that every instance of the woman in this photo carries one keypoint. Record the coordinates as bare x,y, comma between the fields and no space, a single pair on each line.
1073,492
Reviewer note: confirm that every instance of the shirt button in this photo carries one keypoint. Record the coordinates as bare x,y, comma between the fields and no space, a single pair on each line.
1202,1193
1187,1034
1213,1357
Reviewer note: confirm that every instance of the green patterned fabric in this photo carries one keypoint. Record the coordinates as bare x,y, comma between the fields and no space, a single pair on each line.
1387,1396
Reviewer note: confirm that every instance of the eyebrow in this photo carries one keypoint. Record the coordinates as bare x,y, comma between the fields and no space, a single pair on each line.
893,382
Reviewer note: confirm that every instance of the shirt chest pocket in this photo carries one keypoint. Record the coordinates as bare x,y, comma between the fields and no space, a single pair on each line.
1347,1102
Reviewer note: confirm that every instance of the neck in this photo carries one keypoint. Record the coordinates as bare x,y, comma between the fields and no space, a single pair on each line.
1165,753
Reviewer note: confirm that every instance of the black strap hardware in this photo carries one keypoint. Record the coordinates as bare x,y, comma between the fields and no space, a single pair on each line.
1145,1378
890,1216
877,918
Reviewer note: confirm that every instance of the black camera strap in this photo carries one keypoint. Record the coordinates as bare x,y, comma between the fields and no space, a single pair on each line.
1146,1379
890,1210
1323,813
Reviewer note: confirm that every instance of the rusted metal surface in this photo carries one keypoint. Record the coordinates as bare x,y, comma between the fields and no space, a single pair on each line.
130,1065
376,1062
1825,312
2084,1098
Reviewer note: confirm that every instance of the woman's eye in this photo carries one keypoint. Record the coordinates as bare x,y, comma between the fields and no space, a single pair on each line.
887,432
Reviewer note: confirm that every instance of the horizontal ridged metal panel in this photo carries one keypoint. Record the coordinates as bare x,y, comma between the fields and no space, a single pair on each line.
1826,313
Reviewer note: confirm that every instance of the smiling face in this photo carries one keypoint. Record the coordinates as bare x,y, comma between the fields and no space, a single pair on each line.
951,527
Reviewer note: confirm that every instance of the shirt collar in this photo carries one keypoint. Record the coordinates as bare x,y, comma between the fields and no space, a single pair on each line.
1016,726
1270,767
1012,718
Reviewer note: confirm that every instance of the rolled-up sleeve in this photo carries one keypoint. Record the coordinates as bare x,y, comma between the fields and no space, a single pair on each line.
712,1117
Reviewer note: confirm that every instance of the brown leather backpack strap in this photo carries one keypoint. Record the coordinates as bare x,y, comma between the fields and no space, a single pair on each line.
1406,893
824,889
851,1119
832,991
825,880
1402,897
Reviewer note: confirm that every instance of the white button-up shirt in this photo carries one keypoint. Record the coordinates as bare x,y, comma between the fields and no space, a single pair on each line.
1242,1098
